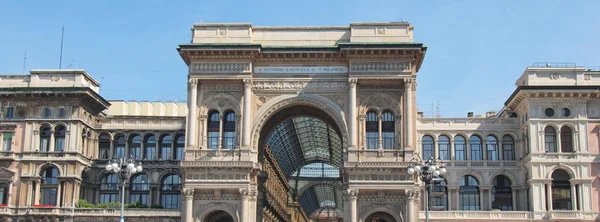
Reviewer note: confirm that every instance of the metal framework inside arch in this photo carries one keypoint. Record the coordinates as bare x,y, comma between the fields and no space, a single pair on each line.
309,151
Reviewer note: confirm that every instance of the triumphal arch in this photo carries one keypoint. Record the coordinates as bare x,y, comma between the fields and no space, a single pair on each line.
301,123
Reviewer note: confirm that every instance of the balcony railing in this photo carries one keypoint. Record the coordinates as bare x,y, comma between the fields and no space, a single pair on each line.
380,155
480,163
508,215
217,155
93,212
6,155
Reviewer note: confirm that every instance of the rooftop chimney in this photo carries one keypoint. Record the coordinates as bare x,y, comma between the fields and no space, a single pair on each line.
490,114
420,114
470,114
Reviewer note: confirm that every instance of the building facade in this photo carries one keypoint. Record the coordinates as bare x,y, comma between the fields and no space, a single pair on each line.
299,124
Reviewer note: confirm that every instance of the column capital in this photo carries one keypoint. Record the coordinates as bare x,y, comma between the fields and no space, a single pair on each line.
193,83
188,193
248,194
352,82
413,195
247,83
351,195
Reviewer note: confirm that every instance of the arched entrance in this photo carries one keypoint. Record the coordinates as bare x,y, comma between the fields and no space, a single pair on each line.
300,149
218,216
380,217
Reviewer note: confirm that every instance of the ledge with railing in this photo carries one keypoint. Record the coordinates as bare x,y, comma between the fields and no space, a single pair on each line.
7,155
509,215
379,155
481,163
91,212
473,122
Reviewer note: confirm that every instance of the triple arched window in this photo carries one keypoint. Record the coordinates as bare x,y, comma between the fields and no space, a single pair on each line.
48,134
562,142
168,196
380,130
221,131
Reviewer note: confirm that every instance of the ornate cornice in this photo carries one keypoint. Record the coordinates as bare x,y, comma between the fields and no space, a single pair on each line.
222,67
380,67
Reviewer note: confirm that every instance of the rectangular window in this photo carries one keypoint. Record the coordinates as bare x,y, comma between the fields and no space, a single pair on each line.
444,151
213,140
120,151
459,152
7,142
179,151
171,201
150,153
372,138
475,151
59,144
508,153
10,112
165,153
141,198
136,152
108,197
228,140
44,144
388,140
492,151
49,196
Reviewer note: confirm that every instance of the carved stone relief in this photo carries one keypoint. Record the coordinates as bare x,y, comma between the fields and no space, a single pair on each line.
220,67
380,67
299,85
593,109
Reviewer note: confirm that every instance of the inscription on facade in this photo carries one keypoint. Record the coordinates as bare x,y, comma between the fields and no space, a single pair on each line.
301,69
300,85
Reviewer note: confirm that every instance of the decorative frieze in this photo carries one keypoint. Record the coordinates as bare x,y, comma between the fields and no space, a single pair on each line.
211,67
299,85
380,67
221,87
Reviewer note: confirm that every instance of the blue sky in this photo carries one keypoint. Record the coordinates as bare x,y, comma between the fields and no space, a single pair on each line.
477,49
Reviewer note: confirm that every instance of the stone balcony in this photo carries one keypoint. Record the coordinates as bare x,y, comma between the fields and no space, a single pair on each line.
467,123
93,214
7,155
513,216
481,163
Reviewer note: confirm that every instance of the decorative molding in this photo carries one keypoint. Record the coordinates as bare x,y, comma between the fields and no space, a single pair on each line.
299,85
213,67
587,77
380,67
193,82
555,76
221,87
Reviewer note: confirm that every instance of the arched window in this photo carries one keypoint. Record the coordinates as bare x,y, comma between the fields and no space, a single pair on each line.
59,138
170,197
469,193
566,139
213,130
475,145
109,188
460,148
165,147
439,194
502,193
119,146
229,130
45,134
427,142
508,148
140,189
372,128
49,186
550,138
150,147
104,146
388,130
3,193
561,191
179,147
135,146
491,144
444,148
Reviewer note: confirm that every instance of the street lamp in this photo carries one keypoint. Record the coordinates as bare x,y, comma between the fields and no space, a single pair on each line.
124,168
426,171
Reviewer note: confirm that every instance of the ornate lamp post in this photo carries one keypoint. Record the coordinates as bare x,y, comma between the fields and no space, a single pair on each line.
426,171
124,168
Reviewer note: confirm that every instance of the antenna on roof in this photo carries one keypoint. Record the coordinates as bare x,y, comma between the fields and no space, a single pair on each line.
62,37
437,109
24,62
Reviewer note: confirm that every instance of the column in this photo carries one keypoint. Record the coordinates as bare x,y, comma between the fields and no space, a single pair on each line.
411,205
549,196
220,145
514,198
379,137
580,197
111,152
238,125
352,111
51,148
363,133
408,110
247,112
451,155
481,199
38,186
574,197
191,118
188,210
350,205
244,205
449,198
558,141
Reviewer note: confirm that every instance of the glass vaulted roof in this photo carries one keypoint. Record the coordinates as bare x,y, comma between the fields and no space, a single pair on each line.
309,151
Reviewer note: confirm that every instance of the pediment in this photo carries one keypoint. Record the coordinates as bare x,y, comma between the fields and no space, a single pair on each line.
6,173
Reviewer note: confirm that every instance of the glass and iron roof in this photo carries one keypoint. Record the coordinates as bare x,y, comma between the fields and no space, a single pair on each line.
309,151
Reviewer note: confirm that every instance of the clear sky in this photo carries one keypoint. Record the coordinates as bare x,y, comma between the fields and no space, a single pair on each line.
476,49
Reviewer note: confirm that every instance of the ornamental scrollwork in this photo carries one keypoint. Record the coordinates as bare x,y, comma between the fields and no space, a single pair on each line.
380,67
350,195
188,193
220,67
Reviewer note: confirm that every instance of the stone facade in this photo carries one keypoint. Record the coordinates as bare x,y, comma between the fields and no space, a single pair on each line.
217,158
